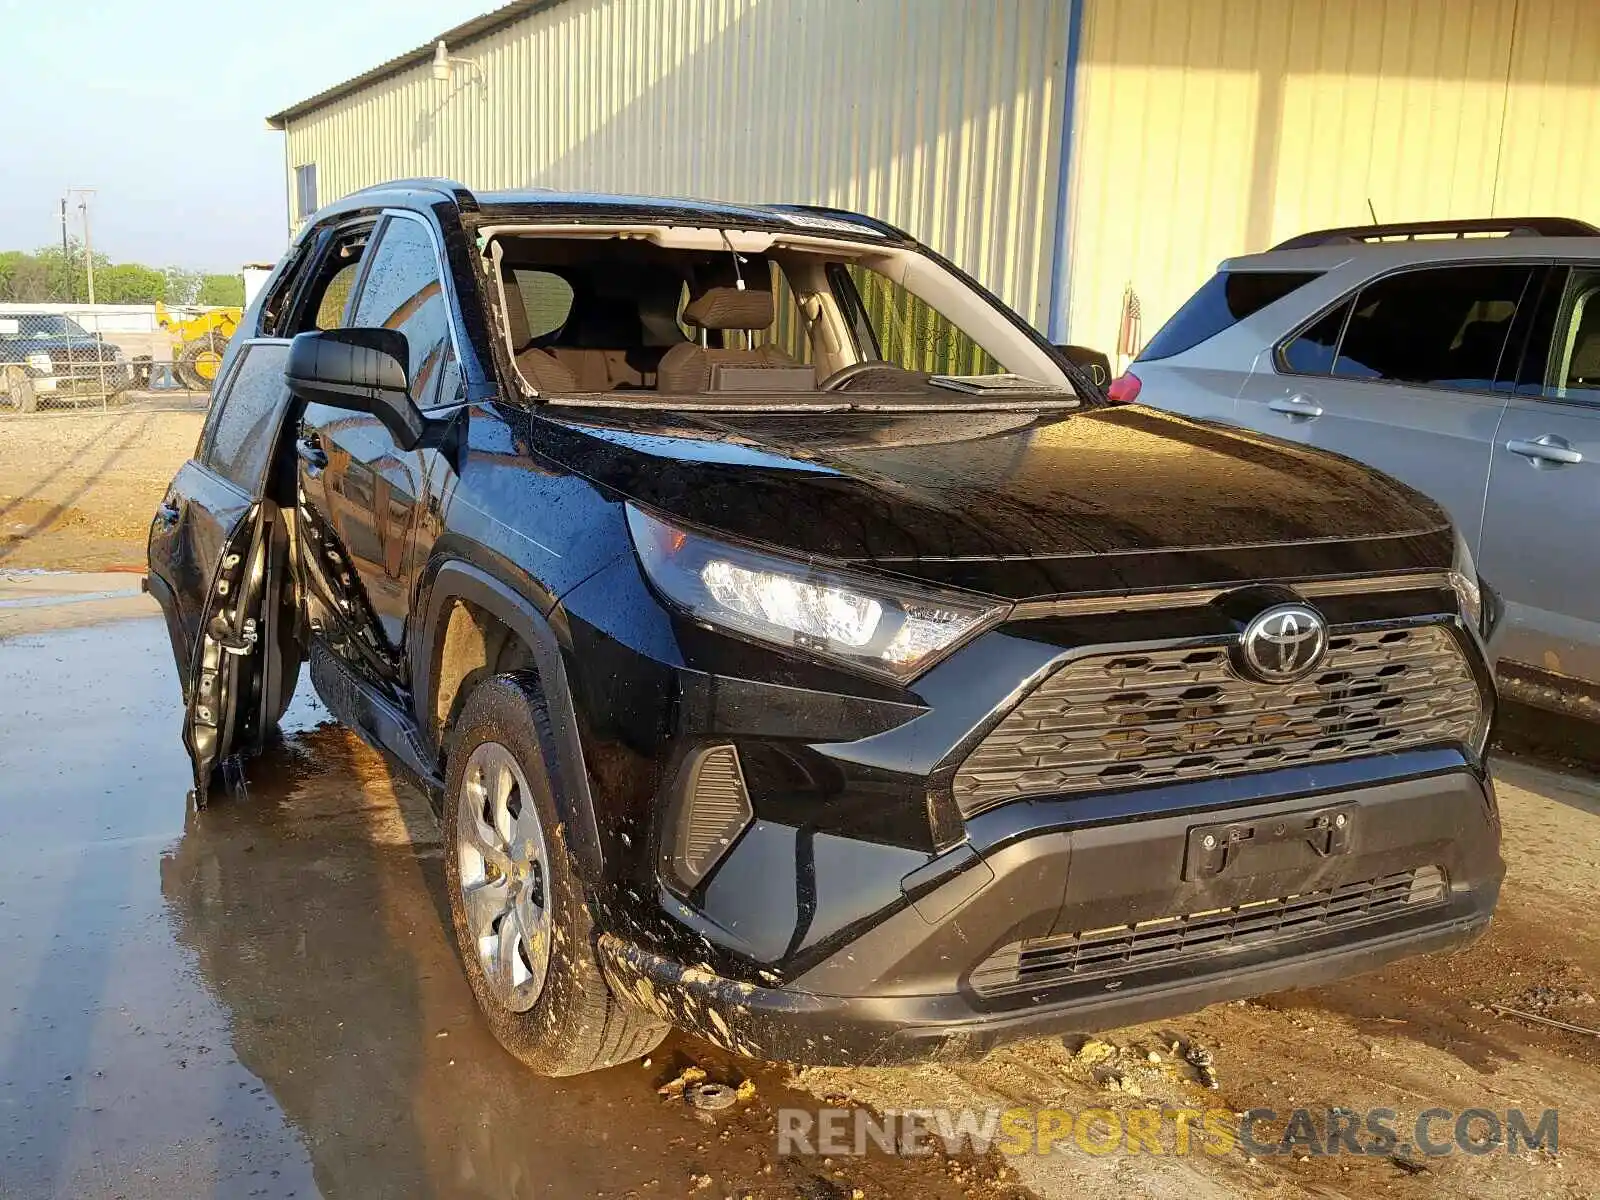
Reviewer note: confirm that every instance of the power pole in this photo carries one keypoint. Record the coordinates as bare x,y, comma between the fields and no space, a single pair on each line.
66,261
88,241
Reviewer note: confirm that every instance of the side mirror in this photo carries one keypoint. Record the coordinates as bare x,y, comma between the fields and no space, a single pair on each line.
363,370
1092,362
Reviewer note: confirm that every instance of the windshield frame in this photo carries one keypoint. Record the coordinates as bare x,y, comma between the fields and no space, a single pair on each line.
968,306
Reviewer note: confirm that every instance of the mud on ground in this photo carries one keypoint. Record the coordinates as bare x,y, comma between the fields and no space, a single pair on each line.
1419,1035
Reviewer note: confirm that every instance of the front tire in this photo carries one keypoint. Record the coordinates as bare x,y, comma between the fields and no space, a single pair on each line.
522,922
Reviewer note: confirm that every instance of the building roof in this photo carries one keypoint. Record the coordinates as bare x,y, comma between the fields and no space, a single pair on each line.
466,32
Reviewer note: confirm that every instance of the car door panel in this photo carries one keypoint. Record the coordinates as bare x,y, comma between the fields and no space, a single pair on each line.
1407,375
1544,503
224,672
365,495
200,512
218,546
1436,441
364,500
1544,492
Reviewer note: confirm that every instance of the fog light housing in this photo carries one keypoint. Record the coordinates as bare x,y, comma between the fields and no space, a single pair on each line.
710,809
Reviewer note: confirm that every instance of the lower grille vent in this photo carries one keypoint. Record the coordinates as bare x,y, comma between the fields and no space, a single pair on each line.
1067,958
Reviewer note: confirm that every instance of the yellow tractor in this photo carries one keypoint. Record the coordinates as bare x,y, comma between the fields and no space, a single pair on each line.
198,343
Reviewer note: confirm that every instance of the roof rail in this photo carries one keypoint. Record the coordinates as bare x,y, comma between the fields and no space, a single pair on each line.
1411,230
458,192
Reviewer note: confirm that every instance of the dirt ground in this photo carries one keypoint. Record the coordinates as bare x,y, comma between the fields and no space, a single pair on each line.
77,491
1419,1035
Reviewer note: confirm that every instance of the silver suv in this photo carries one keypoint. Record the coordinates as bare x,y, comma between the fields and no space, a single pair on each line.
1462,357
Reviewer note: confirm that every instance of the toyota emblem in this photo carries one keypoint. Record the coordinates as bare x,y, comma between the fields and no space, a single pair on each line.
1283,643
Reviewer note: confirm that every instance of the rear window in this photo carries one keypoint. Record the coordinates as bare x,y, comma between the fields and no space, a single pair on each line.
1225,300
546,298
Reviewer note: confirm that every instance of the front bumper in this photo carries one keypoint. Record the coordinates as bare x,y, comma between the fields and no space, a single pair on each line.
82,378
1036,873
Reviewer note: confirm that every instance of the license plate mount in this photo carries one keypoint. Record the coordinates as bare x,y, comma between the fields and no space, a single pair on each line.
1212,849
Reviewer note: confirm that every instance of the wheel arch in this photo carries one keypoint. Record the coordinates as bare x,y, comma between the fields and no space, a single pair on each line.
455,590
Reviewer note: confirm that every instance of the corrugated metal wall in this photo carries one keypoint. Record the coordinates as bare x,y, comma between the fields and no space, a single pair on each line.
1207,128
943,119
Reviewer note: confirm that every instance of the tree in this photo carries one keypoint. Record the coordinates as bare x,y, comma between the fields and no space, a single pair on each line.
67,275
129,283
223,290
50,276
23,278
182,286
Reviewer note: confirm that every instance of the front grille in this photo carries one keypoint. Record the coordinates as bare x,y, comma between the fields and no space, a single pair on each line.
1040,963
1160,716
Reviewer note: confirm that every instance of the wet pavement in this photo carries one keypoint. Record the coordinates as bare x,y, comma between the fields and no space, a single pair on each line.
261,1000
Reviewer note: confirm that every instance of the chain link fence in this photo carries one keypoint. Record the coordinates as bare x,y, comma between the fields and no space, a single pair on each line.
103,357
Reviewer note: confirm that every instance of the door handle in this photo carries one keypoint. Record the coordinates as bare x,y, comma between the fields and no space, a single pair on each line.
1299,407
314,456
167,514
1549,449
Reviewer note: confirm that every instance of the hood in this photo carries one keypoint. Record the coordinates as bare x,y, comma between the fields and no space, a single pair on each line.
1018,505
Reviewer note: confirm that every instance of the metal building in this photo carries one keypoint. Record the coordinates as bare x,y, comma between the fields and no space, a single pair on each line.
1063,151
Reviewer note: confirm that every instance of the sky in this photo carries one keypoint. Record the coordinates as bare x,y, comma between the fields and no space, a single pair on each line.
161,108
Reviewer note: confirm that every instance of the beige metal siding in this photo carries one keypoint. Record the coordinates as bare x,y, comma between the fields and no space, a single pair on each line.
1208,128
1550,156
935,116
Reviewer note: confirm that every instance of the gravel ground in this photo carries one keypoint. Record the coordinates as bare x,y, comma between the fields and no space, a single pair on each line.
77,489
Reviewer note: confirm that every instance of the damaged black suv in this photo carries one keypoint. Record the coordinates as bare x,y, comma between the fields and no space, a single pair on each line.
795,649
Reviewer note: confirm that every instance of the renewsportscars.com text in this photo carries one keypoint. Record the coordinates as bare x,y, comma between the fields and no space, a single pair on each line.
1262,1132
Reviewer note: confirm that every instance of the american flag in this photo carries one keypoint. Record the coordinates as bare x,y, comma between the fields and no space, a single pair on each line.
1129,339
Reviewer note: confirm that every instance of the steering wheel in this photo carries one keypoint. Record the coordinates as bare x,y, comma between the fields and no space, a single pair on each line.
842,379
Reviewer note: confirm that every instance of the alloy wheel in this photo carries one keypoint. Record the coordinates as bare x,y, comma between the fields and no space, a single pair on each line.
504,876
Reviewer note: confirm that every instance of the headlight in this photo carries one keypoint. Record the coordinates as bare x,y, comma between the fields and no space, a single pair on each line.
877,626
1464,579
40,363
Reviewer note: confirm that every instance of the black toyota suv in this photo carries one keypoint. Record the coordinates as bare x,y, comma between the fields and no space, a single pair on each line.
797,652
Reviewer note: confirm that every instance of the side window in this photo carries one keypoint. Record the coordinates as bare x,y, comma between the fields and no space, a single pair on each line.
219,393
403,291
336,271
1444,327
912,334
1311,353
330,308
245,416
305,190
1575,356
546,298
1224,300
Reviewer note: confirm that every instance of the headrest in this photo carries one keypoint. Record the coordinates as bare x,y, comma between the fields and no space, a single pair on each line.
516,313
716,302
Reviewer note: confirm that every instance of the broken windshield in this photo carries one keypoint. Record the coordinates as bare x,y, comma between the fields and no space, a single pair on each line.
707,315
